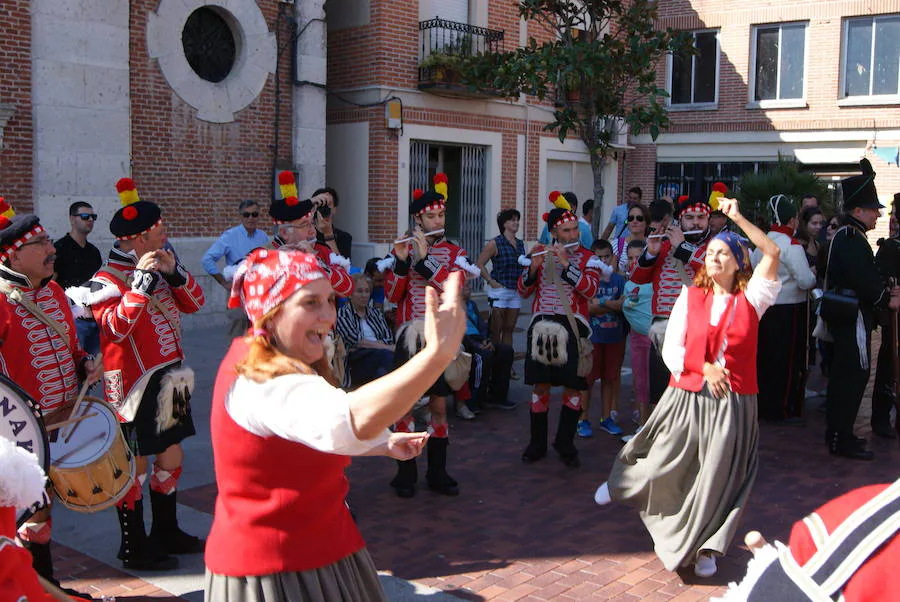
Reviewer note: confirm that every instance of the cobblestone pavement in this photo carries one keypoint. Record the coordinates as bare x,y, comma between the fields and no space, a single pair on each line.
521,532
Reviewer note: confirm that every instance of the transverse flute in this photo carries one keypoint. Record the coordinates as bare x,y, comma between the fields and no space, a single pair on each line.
688,233
568,246
411,238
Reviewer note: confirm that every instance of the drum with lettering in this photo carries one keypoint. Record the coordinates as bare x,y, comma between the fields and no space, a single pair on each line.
91,467
20,422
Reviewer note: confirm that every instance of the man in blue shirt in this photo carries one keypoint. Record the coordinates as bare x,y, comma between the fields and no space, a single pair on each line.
619,216
235,243
585,236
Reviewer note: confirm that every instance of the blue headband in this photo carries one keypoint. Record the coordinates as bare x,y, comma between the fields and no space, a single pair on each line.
738,246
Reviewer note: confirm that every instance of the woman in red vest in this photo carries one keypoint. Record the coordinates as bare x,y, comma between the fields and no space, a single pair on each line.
282,433
690,469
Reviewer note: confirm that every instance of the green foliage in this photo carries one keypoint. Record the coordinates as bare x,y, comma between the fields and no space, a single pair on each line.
600,65
784,178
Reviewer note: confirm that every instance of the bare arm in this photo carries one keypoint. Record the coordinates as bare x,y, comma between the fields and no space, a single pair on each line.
377,405
768,266
607,231
487,253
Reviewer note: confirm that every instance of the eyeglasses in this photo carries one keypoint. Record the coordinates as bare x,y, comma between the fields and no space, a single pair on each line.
87,216
832,226
632,218
40,241
250,213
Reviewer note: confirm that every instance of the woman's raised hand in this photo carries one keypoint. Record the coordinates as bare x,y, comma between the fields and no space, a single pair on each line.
445,317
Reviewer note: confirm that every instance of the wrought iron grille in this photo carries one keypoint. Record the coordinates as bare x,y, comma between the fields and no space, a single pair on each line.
209,44
439,36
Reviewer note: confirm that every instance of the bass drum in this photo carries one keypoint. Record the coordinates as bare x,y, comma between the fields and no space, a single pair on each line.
21,423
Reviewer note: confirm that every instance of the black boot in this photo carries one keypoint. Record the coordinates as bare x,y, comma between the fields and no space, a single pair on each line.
42,562
565,437
537,445
165,532
882,402
437,477
136,551
405,481
847,446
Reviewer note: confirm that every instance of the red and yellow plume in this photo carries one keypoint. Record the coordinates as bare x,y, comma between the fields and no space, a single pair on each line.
287,184
128,193
5,210
417,194
719,189
440,184
559,201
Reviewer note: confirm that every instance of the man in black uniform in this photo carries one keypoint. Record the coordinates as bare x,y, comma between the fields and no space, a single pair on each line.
888,261
851,271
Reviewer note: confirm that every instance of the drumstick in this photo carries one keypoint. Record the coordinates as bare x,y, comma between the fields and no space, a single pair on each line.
71,452
411,238
84,389
568,246
59,425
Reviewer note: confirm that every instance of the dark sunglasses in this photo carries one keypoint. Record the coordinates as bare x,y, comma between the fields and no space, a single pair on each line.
639,218
88,216
832,226
250,213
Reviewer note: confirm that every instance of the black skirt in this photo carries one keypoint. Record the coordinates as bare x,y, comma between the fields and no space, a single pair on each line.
440,388
537,373
141,435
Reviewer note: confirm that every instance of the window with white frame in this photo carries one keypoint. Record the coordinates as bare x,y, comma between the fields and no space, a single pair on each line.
872,56
779,53
694,78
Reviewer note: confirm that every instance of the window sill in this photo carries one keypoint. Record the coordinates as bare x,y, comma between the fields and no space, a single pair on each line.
793,103
866,101
706,106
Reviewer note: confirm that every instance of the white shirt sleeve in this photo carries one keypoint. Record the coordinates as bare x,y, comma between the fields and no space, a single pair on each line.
301,408
673,350
761,293
798,266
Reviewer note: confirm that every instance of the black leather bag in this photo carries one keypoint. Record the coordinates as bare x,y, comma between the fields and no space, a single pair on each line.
839,307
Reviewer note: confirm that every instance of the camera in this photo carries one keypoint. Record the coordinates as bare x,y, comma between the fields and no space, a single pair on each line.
324,211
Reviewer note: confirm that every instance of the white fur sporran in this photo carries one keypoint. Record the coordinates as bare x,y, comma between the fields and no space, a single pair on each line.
412,338
173,403
549,343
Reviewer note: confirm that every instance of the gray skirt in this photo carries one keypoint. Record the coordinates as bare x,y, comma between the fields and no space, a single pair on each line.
352,579
689,472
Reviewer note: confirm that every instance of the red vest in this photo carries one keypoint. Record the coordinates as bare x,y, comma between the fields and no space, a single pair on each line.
280,506
703,341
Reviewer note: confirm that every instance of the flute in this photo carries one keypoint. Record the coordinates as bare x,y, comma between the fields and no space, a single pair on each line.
544,252
688,233
411,238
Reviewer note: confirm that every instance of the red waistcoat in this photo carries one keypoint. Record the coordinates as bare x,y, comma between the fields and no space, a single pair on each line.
703,341
407,289
280,506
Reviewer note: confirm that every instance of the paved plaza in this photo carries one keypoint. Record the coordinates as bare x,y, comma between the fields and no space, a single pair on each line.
515,532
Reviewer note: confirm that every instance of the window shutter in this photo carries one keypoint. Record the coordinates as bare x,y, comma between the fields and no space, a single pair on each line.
450,10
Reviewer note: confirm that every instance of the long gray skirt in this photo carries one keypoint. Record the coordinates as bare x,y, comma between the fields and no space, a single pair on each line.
352,579
689,472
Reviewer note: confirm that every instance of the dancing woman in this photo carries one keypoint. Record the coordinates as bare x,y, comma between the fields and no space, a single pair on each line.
281,434
690,469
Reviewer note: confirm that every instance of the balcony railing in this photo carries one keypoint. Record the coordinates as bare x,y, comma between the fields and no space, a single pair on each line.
442,44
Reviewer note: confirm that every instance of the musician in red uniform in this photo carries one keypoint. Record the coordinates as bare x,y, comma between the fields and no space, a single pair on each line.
426,261
39,350
137,299
296,230
563,276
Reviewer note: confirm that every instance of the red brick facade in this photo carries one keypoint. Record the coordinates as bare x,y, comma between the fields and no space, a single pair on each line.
16,171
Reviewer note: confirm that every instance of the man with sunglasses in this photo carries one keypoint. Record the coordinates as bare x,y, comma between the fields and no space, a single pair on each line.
235,243
77,260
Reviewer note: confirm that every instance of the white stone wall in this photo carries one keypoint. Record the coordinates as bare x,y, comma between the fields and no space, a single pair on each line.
309,99
81,106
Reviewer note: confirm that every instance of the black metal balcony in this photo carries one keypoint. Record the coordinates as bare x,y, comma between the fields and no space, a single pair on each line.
442,45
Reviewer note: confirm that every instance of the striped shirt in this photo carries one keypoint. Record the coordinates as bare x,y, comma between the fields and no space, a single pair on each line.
349,326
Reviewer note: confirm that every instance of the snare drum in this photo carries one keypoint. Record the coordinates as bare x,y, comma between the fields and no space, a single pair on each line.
22,424
91,467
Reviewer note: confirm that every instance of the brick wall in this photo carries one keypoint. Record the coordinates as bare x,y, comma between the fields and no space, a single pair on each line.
16,155
196,170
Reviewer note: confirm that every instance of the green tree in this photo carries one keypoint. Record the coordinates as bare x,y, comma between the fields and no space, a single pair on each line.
600,64
785,177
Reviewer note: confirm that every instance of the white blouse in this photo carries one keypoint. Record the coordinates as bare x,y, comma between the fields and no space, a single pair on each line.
761,294
298,407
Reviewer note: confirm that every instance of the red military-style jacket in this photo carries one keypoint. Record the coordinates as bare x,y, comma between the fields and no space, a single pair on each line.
663,272
136,337
336,266
32,354
405,284
579,281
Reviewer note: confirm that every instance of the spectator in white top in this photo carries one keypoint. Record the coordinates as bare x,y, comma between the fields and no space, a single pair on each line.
783,331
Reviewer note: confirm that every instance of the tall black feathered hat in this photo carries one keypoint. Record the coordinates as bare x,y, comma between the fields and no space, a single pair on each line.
561,212
135,216
859,191
16,230
430,200
289,208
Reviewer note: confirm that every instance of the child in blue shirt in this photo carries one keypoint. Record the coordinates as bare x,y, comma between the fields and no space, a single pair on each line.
608,337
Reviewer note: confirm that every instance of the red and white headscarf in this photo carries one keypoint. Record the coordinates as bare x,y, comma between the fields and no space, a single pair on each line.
267,278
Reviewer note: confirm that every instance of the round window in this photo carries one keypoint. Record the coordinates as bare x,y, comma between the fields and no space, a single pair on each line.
209,44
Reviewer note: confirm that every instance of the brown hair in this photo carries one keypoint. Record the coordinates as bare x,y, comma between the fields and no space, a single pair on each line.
741,278
264,362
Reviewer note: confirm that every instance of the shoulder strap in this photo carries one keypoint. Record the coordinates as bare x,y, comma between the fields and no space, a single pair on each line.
173,322
828,259
16,295
567,304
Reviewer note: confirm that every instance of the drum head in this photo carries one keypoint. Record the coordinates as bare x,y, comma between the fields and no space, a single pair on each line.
21,423
87,443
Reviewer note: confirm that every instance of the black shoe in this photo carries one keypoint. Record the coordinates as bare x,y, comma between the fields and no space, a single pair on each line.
404,483
564,444
883,429
537,445
437,478
848,446
570,460
137,552
165,534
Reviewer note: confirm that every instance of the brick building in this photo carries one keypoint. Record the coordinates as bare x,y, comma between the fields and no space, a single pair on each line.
816,80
